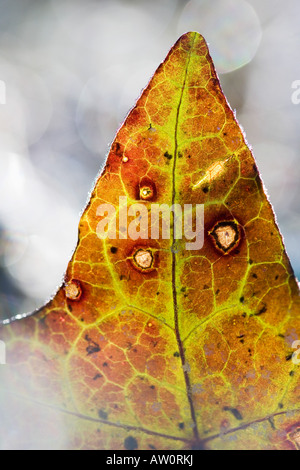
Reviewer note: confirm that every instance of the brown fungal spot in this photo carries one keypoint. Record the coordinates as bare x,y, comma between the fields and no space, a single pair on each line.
143,259
146,189
226,235
73,289
146,192
117,149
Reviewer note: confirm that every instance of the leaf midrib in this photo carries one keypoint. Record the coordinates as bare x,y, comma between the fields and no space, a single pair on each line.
174,265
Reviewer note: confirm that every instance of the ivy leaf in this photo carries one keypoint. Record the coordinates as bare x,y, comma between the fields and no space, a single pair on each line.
162,343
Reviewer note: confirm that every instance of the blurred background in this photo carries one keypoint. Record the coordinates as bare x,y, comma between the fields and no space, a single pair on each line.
69,72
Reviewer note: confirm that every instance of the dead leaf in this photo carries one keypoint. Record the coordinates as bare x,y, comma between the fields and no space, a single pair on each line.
148,344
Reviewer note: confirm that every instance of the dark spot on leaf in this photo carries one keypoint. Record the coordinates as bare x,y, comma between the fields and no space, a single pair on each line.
42,322
183,289
179,155
271,421
176,354
276,277
102,414
152,387
130,443
289,357
116,148
189,156
205,189
217,291
93,347
97,376
168,155
181,425
250,261
151,447
242,299
105,364
280,405
262,310
113,249
292,373
254,275
234,412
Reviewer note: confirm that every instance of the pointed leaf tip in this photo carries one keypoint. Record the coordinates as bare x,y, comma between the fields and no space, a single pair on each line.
150,344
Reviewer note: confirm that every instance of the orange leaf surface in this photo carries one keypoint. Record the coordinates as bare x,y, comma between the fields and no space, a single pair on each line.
151,343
